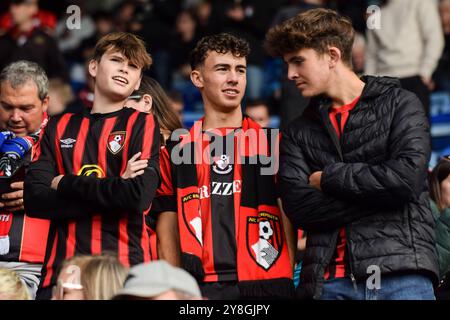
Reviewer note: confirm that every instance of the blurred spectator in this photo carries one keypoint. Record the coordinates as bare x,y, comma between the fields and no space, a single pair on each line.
68,284
159,280
444,12
24,102
60,95
182,43
441,77
62,99
258,110
250,19
408,48
358,53
176,100
439,181
44,18
125,15
27,40
103,276
206,23
86,94
11,287
89,278
157,29
70,39
104,24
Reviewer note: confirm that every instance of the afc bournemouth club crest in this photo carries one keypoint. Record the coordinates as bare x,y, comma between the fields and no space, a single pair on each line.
192,215
116,141
222,165
264,239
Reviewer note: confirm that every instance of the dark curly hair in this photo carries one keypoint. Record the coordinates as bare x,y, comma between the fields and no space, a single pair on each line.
221,43
313,29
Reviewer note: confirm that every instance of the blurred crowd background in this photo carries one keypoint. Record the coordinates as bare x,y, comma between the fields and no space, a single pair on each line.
42,31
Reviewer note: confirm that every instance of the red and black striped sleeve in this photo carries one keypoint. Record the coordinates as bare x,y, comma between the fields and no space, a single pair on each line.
115,194
40,200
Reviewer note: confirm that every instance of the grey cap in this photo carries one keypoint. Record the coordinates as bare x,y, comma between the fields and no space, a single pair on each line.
151,279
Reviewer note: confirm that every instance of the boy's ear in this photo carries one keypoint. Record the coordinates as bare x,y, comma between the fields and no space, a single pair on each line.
148,101
197,78
335,56
93,64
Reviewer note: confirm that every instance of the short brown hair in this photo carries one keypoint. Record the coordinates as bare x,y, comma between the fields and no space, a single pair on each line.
221,43
131,46
314,29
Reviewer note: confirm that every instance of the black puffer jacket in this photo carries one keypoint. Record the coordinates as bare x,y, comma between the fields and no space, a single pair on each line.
373,184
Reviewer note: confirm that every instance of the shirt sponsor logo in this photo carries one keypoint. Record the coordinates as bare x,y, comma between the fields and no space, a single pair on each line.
4,217
91,170
67,143
220,188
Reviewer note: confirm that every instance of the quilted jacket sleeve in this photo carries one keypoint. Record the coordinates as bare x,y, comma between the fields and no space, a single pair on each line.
396,180
308,208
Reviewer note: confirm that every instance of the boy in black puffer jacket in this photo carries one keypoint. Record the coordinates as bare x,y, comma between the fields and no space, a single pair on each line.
353,170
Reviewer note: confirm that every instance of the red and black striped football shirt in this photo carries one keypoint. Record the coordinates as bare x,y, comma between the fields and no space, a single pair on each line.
94,210
219,194
27,236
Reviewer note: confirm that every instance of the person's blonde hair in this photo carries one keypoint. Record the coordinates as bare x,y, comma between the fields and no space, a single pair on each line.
11,287
80,261
103,276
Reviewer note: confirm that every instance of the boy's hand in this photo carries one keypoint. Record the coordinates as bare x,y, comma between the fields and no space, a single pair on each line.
135,167
55,181
314,180
13,201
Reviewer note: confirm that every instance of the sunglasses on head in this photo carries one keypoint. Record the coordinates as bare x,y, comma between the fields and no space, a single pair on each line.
58,289
445,157
135,97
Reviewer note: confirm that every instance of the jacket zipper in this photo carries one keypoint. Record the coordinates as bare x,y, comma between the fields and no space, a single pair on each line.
337,144
330,255
347,228
352,277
